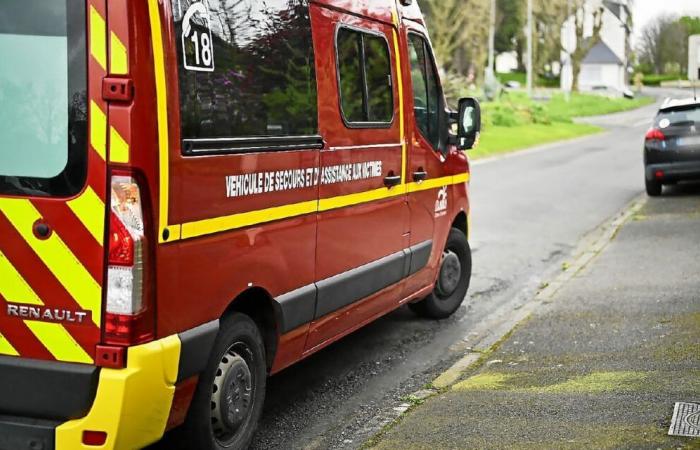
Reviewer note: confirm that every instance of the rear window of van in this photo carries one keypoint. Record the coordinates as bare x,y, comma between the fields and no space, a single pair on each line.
246,70
42,97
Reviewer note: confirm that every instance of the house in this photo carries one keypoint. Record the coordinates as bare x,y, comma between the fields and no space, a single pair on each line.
605,66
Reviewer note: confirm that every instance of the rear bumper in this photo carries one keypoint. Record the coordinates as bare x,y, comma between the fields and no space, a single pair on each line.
677,171
131,405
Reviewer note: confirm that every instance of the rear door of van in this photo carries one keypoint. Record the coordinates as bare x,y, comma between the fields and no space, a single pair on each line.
52,179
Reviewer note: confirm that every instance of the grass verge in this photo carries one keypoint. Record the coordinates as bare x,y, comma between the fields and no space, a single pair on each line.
499,139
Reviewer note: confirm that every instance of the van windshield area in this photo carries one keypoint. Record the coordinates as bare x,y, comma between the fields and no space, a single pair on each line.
43,110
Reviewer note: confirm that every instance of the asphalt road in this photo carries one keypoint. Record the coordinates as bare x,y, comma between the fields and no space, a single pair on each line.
528,212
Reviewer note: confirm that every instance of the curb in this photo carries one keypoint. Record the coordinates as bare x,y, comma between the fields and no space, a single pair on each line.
487,336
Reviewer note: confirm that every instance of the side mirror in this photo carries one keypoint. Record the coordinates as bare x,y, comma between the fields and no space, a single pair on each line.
468,123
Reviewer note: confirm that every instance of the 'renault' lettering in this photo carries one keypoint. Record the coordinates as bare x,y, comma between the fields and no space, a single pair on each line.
46,314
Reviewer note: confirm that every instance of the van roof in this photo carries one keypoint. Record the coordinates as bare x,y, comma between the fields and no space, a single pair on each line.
381,10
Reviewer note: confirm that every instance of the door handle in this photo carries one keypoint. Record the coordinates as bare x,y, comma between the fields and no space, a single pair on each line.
420,176
392,180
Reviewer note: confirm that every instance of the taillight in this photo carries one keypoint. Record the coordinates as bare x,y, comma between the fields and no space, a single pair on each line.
128,318
654,134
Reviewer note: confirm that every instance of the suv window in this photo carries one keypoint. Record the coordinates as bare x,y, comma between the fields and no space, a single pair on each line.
426,90
246,69
364,77
43,108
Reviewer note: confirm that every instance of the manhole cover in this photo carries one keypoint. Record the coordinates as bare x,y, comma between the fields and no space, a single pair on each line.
686,420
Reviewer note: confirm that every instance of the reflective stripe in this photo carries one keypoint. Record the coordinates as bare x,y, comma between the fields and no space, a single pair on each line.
58,342
98,39
90,210
6,348
342,201
13,286
162,106
56,255
15,289
232,222
119,60
118,148
399,76
98,129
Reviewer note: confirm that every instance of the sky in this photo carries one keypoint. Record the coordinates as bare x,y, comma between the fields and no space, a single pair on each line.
647,10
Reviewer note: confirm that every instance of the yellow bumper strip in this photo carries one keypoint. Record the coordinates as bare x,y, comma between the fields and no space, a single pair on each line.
132,405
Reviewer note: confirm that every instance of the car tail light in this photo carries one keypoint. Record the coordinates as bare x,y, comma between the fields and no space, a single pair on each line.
128,318
654,134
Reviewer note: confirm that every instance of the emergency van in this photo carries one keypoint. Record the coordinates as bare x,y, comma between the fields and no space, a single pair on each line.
196,194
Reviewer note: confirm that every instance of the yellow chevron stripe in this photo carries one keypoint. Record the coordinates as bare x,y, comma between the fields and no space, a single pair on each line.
118,148
90,210
13,286
98,129
119,59
98,38
56,255
6,348
399,76
58,342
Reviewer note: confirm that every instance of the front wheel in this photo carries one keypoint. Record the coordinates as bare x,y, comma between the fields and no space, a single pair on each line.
228,402
453,279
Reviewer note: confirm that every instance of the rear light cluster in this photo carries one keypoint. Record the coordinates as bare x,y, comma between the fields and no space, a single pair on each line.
128,318
654,134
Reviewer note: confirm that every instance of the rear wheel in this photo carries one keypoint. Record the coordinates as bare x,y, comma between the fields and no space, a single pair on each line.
653,188
229,398
453,279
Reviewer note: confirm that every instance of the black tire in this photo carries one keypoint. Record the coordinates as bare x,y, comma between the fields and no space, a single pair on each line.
449,292
653,188
237,367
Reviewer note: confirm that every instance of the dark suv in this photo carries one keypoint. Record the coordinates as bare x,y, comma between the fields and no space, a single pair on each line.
672,145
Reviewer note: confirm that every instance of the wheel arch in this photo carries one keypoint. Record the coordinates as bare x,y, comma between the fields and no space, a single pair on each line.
461,222
258,304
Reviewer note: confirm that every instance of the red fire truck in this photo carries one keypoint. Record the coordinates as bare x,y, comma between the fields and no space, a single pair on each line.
195,194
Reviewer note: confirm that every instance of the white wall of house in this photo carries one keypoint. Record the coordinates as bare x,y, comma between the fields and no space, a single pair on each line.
613,34
506,62
602,75
693,57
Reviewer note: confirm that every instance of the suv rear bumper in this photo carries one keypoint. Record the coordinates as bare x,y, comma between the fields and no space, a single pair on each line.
131,405
678,171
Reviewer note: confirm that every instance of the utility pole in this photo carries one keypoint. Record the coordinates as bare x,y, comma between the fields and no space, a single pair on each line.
529,48
492,39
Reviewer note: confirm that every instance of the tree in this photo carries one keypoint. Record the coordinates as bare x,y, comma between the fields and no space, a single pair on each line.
459,32
510,22
583,46
664,44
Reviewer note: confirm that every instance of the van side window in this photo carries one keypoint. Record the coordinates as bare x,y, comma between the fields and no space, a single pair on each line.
364,77
246,69
426,90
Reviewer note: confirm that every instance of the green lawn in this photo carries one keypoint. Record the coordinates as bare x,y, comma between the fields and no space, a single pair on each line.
515,122
497,140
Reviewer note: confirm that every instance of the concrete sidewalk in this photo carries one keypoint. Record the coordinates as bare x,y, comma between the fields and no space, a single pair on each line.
600,366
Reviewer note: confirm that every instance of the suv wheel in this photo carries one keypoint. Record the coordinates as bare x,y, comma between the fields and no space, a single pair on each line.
653,188
453,279
230,394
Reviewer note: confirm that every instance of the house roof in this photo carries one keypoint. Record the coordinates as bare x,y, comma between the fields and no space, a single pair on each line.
601,54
